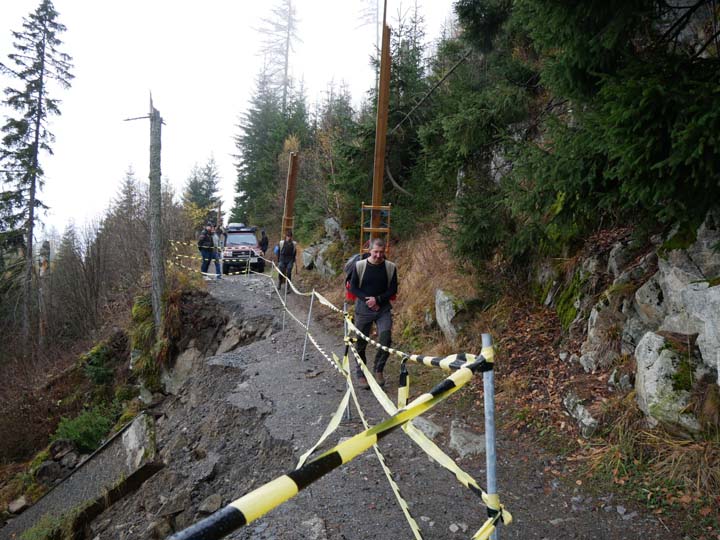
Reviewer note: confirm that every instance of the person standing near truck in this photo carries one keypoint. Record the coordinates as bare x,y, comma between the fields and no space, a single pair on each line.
264,241
208,251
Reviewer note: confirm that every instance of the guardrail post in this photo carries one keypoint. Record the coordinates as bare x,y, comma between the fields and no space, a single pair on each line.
348,411
307,326
489,401
284,300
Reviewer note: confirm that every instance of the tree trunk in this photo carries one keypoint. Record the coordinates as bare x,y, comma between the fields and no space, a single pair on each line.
288,36
29,322
157,267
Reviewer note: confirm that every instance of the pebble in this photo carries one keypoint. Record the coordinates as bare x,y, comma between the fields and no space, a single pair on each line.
454,528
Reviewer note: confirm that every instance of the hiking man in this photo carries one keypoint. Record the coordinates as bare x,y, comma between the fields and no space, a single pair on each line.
208,251
286,257
374,282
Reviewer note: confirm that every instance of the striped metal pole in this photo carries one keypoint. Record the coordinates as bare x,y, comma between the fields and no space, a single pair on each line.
490,457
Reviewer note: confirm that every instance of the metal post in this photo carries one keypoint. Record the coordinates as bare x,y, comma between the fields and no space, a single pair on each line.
348,412
285,306
307,326
489,400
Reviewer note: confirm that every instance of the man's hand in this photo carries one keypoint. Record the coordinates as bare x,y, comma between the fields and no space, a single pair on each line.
372,303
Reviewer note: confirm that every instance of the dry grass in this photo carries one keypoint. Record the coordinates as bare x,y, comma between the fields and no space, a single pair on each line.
425,265
650,460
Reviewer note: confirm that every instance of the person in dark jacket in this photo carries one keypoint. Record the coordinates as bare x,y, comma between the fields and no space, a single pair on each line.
286,257
264,242
374,282
208,251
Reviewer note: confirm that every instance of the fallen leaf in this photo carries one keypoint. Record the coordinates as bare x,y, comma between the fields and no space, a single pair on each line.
705,511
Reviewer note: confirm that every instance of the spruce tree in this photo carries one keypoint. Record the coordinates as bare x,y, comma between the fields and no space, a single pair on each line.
36,65
200,196
262,131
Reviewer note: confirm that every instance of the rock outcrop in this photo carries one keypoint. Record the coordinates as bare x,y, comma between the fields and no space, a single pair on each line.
321,255
627,303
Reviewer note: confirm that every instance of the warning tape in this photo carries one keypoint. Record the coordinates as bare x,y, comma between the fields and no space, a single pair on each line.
457,362
327,303
242,272
191,244
260,501
430,448
195,270
227,259
447,363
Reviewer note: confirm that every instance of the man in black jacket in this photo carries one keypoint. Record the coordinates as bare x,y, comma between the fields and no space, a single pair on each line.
264,242
286,258
208,251
374,282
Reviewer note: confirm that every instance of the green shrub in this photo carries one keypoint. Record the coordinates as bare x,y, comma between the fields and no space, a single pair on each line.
96,366
125,392
86,430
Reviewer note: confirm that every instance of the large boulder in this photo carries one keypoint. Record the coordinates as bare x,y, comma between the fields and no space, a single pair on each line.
333,230
323,261
702,305
447,308
574,406
661,383
320,256
308,257
679,298
604,335
189,361
704,252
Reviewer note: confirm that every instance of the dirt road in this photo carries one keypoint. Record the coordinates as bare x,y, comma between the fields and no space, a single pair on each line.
247,415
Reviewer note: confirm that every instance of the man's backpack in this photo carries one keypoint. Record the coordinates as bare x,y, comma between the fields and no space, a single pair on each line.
293,251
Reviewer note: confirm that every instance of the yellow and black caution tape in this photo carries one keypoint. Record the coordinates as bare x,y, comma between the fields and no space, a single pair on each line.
190,269
327,303
344,369
184,243
429,447
388,473
218,258
447,363
260,501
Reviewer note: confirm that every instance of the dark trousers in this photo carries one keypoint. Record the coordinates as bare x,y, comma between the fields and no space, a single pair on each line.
364,319
209,254
285,268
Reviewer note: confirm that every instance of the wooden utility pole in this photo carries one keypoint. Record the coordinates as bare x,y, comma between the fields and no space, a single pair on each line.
157,266
381,123
289,212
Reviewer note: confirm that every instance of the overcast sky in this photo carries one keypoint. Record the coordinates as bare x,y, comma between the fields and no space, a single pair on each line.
200,60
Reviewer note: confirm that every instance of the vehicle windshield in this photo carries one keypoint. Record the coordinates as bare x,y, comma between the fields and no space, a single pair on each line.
241,239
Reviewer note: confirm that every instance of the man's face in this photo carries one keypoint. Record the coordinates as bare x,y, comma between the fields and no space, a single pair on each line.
377,254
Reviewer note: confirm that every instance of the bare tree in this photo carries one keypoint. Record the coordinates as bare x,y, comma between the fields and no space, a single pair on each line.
280,36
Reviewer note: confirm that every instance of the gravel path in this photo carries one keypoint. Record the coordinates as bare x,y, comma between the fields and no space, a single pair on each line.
247,415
